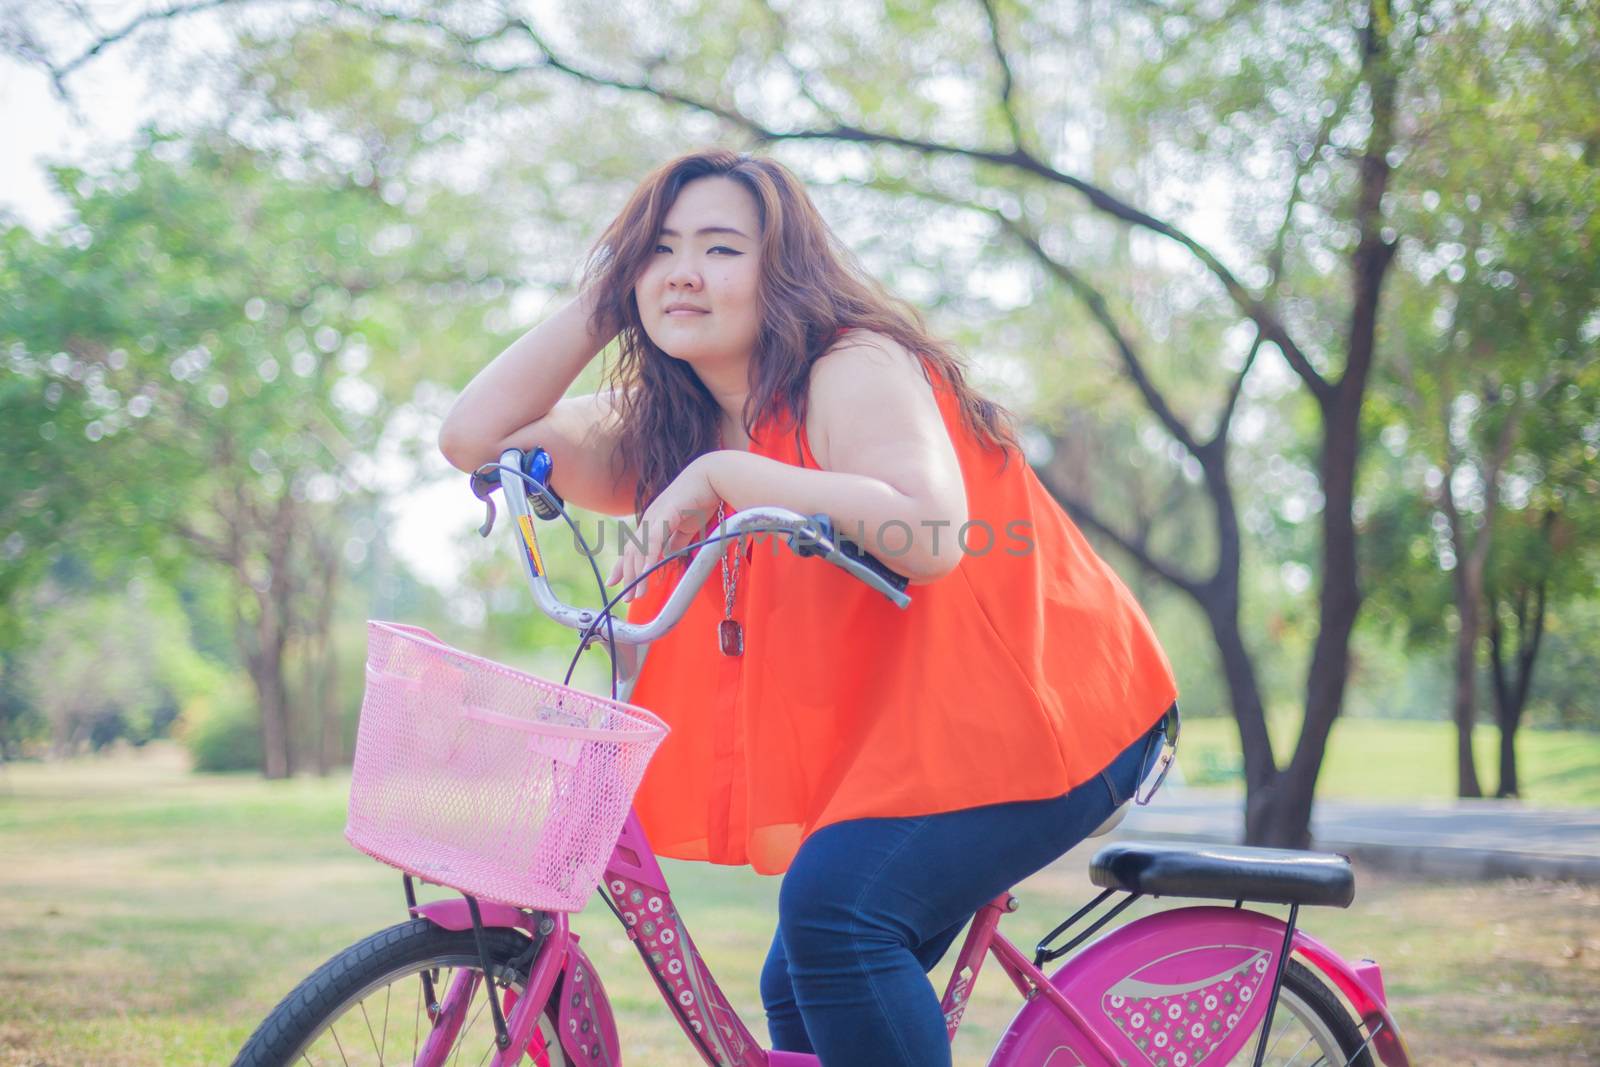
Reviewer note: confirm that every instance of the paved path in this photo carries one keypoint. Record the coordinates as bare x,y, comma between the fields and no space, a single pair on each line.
1473,839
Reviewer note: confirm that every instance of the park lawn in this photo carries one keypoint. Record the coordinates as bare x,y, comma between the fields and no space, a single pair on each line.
154,916
1388,759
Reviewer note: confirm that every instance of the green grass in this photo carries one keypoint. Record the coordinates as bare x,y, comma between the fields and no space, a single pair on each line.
152,917
1382,759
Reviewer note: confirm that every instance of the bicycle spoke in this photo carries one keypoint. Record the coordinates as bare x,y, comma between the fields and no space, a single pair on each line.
335,1035
363,1006
456,1059
383,1038
416,1022
1309,1038
493,1047
1277,1039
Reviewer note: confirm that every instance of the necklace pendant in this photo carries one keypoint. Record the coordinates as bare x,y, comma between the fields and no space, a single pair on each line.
730,637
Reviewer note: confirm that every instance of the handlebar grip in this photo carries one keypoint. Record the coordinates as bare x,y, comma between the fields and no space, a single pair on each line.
537,465
873,564
827,541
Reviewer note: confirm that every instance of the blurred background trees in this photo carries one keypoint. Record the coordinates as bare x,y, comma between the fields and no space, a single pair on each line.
1298,302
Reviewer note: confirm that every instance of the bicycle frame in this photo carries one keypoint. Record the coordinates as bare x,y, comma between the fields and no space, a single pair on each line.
1091,1013
1208,963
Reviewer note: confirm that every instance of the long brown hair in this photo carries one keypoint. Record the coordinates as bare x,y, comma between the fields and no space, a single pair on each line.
811,287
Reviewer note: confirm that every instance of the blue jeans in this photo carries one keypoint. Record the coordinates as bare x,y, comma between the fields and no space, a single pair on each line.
869,906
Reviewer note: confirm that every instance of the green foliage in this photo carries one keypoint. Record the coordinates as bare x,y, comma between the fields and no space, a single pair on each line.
220,729
370,218
102,667
20,721
1488,414
227,333
1563,692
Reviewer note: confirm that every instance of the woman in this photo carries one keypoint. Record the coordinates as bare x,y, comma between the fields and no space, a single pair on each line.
903,767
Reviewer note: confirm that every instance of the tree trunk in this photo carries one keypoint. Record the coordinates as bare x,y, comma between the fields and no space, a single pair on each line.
321,701
1260,767
1283,815
263,642
1509,787
1472,560
1219,598
1469,595
267,675
330,751
1511,694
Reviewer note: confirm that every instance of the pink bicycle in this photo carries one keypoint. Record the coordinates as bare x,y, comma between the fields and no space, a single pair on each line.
517,792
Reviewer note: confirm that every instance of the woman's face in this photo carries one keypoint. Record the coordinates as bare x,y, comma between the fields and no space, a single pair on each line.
700,294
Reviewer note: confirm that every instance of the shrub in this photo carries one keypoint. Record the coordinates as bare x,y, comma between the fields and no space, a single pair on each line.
221,729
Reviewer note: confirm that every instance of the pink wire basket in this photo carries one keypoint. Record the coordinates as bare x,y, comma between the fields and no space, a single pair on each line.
472,775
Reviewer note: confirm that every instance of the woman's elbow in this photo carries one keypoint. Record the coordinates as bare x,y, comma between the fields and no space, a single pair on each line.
938,552
925,572
463,451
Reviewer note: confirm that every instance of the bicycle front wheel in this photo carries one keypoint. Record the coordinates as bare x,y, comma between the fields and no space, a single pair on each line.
366,1006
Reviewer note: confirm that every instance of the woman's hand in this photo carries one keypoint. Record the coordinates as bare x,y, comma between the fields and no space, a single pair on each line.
674,519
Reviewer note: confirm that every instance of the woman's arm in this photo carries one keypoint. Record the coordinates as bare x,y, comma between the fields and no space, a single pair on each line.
890,477
520,385
516,402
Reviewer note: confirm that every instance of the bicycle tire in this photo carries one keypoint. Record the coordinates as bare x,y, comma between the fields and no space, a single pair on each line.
1309,1000
341,987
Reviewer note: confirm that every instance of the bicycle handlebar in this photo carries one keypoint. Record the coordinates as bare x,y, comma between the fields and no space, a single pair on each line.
807,535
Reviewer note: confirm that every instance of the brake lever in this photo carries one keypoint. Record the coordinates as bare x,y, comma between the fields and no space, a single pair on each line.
815,539
483,487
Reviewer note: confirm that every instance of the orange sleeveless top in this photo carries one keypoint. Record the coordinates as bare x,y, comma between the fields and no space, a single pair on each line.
1017,676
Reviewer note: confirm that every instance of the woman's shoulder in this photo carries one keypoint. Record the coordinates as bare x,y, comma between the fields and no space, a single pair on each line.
859,356
868,383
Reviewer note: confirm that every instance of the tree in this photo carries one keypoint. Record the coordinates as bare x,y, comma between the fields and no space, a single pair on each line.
1495,294
1544,558
1333,95
211,327
108,666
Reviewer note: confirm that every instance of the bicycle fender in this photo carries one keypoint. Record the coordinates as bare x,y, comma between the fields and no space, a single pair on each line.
1187,985
1362,986
587,1026
453,914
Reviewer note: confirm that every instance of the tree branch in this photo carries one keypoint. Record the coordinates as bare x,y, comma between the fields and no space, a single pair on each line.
1302,168
209,546
1007,81
1017,158
1219,438
58,75
1086,515
802,77
1096,303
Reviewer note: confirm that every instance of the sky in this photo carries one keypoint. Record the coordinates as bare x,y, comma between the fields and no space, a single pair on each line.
36,127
